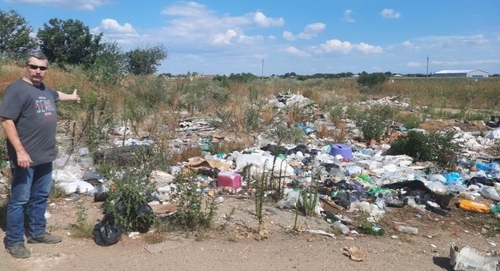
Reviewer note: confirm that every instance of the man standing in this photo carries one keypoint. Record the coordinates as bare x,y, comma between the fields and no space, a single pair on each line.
29,117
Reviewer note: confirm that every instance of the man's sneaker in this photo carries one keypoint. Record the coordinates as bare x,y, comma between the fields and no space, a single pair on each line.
19,251
45,239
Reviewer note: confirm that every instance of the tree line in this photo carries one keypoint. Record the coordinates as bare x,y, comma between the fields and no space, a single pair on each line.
70,42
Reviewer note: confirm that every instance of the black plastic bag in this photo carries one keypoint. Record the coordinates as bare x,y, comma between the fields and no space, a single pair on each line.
144,221
108,232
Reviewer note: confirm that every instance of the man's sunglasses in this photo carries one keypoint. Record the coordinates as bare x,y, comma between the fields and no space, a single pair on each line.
35,67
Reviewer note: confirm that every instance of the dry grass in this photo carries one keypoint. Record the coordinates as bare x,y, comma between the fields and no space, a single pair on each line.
459,93
267,114
155,238
330,95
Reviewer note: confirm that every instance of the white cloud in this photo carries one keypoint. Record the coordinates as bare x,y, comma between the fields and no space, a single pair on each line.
345,47
408,44
112,30
112,25
369,49
224,38
294,51
390,14
347,16
309,32
193,22
336,46
262,21
312,30
242,39
69,4
287,35
190,9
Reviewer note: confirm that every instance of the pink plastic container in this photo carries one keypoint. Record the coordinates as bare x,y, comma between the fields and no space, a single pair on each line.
229,178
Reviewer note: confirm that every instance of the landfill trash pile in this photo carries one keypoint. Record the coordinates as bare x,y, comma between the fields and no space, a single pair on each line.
348,176
347,173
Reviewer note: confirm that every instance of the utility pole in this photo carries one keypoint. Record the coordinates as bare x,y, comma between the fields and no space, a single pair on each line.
262,73
427,73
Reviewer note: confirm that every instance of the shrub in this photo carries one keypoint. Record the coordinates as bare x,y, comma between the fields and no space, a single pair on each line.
372,126
371,81
128,202
195,211
435,146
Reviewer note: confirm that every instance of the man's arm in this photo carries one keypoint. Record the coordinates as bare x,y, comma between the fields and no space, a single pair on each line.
69,97
23,158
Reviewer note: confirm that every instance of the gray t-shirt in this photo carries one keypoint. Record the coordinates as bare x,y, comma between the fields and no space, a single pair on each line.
33,111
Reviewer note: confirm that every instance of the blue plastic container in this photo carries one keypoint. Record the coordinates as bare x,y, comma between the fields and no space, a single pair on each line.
344,150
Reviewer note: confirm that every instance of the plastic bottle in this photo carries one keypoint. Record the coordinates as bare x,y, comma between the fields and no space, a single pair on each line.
343,228
365,178
406,229
329,217
380,202
372,229
376,230
482,166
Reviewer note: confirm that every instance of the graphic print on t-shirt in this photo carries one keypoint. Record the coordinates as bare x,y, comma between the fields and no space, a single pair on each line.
45,106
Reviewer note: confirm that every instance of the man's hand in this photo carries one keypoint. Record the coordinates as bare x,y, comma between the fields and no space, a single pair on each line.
76,97
23,159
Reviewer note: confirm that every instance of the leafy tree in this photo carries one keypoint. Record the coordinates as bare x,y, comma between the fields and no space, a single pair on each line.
15,37
371,80
145,61
242,77
289,74
69,42
110,65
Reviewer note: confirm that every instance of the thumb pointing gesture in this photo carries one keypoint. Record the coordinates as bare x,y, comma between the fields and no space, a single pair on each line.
75,96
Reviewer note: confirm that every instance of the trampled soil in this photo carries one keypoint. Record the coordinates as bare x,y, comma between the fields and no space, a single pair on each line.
234,244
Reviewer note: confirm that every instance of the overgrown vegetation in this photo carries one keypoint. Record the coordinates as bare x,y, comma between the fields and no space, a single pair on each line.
82,228
435,146
374,122
195,212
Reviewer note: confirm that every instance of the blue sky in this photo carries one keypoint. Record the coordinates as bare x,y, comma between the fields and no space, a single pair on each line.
306,37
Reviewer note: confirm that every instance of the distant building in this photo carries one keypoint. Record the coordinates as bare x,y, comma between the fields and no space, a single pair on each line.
461,73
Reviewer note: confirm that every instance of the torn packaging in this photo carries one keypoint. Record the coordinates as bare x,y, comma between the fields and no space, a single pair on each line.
468,258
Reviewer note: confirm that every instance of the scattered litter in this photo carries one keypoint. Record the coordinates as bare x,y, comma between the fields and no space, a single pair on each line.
133,235
468,258
322,233
355,254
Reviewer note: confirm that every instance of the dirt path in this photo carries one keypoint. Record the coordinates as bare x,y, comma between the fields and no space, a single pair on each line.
279,253
235,249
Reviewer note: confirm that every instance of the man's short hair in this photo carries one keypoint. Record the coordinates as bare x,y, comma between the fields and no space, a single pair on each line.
36,54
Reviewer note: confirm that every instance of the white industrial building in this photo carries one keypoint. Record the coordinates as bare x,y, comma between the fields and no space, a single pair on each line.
461,73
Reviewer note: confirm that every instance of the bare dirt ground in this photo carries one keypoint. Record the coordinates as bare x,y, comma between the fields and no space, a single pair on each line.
234,245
